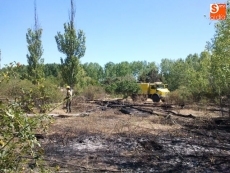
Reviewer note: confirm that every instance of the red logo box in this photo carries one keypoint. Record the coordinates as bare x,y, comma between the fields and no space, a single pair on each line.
218,11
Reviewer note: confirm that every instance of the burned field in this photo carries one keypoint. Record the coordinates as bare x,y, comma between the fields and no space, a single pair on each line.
122,137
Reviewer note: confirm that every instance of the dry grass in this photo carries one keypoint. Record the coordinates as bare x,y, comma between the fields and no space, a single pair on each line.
110,122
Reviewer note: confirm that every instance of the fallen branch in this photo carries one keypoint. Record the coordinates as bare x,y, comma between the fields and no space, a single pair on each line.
150,111
182,115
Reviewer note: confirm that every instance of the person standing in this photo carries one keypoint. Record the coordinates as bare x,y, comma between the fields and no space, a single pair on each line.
68,97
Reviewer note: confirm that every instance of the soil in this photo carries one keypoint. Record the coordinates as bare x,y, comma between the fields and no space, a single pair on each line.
162,139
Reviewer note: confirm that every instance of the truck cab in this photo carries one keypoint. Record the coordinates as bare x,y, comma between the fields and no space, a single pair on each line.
158,91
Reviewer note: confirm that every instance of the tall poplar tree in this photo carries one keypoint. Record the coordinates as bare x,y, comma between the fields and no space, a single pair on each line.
34,58
72,44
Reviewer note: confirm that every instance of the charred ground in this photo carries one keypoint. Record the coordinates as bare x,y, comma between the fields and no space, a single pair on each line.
117,136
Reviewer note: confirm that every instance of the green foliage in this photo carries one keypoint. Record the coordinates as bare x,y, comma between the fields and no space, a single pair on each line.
33,97
125,86
35,62
174,73
40,97
18,144
94,71
220,59
72,44
57,81
82,80
137,68
110,85
69,70
198,74
149,73
123,69
166,68
192,73
51,70
121,78
110,70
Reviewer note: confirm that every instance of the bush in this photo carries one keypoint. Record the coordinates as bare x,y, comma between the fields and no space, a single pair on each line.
12,88
180,96
18,145
31,96
125,86
94,92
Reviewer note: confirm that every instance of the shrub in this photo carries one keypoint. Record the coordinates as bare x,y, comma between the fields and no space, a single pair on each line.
93,92
18,145
180,96
32,96
125,86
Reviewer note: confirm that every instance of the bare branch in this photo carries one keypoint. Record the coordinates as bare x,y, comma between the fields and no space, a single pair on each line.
72,13
36,22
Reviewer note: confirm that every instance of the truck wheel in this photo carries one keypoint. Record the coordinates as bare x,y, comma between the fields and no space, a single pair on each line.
155,98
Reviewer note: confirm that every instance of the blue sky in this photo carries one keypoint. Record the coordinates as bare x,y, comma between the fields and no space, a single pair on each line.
116,30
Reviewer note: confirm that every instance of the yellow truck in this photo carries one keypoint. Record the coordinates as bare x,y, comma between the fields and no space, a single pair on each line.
156,91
